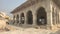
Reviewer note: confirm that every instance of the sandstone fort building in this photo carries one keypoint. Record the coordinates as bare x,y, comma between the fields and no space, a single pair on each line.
37,13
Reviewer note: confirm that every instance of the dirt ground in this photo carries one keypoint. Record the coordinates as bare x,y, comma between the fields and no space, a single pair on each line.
19,30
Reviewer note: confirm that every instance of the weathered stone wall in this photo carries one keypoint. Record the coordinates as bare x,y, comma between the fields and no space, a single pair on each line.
47,4
55,11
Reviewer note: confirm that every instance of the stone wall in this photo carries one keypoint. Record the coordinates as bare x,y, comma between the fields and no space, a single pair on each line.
47,5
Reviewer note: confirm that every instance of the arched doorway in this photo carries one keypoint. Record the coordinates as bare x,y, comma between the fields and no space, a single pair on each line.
13,19
17,18
22,18
41,16
29,18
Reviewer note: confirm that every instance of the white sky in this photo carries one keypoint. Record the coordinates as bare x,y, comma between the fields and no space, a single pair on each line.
9,5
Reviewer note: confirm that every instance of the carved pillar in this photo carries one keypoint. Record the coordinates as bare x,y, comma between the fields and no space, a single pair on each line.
34,19
19,19
59,17
49,20
55,20
25,14
15,20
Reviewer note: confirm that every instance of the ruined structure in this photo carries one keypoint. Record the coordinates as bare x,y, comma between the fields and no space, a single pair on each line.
38,13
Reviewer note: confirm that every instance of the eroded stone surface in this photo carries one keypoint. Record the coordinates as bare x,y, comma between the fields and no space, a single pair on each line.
2,24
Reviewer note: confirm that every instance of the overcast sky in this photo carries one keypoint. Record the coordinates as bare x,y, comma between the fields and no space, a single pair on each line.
8,5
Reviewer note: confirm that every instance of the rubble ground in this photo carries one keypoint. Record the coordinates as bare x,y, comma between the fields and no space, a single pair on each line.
20,30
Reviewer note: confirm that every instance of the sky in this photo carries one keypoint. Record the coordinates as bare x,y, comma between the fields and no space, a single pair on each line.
9,5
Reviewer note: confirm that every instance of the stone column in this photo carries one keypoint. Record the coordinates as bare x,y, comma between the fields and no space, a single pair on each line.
15,20
49,17
19,20
59,18
34,18
25,21
58,25
54,16
49,20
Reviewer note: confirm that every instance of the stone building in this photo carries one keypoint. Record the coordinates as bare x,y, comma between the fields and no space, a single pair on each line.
37,13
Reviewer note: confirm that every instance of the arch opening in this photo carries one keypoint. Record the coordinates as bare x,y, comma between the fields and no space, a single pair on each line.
41,16
22,18
17,18
29,18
